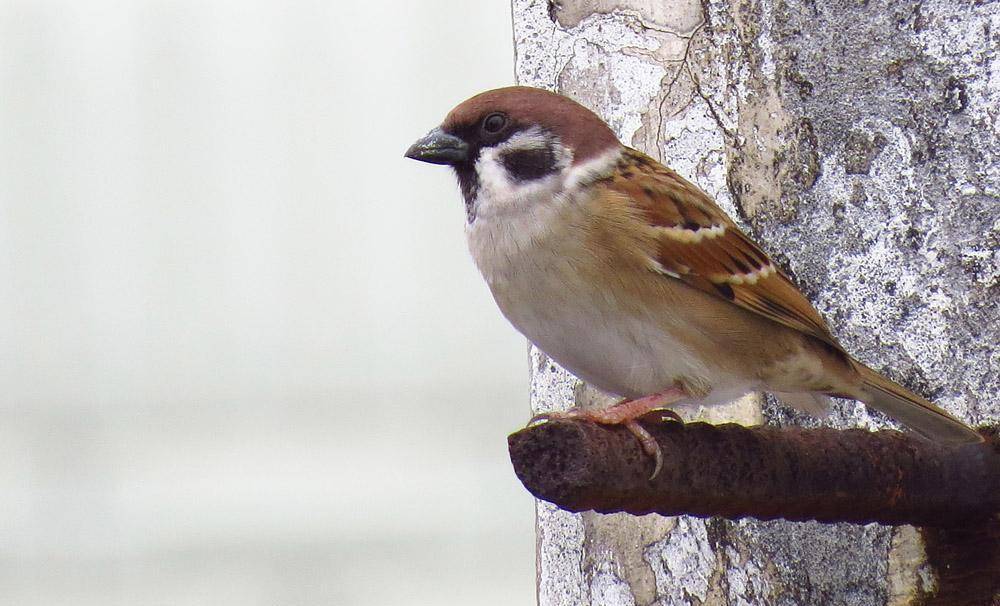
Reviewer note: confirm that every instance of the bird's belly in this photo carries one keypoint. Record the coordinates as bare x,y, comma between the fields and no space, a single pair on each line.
609,347
592,329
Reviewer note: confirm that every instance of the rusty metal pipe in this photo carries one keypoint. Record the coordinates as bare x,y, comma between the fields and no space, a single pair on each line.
733,471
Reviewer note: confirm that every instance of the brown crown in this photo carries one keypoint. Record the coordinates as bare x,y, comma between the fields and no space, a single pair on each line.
576,126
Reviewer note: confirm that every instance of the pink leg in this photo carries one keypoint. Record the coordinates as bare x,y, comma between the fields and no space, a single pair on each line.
626,413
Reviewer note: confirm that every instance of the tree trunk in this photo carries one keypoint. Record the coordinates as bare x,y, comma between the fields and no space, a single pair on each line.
857,142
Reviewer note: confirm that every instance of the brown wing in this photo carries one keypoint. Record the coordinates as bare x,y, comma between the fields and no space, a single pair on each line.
696,242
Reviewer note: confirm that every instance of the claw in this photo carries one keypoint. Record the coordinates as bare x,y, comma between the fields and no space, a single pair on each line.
648,444
657,464
662,415
542,417
626,413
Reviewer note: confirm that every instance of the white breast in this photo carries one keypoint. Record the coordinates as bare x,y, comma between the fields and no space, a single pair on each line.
524,246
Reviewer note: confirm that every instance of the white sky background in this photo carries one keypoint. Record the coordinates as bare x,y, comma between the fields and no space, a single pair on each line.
244,355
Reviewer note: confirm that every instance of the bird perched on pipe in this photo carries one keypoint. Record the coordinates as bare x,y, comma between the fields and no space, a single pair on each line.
632,278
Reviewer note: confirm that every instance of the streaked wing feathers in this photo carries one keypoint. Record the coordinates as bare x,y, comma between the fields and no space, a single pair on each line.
699,244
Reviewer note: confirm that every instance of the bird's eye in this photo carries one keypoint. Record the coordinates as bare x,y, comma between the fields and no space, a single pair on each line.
494,123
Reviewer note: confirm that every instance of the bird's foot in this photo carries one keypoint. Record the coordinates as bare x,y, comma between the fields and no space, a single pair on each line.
627,413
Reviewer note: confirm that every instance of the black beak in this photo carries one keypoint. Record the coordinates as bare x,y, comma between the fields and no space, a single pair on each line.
438,147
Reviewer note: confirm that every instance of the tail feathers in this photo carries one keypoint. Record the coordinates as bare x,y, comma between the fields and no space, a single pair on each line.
913,411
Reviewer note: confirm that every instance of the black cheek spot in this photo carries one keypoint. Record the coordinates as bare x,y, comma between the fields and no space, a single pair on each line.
529,164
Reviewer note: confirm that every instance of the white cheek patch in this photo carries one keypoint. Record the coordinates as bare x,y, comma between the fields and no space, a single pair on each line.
600,166
500,193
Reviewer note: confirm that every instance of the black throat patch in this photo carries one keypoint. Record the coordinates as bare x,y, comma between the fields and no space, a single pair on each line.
468,181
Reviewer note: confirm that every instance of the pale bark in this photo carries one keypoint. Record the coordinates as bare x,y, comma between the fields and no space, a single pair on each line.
857,141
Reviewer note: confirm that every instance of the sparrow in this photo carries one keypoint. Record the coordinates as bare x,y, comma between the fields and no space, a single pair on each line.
634,279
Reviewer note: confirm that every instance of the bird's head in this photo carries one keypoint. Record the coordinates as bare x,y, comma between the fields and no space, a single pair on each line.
513,146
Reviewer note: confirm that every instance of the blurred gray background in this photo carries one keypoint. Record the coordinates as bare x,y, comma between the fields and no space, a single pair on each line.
245,358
